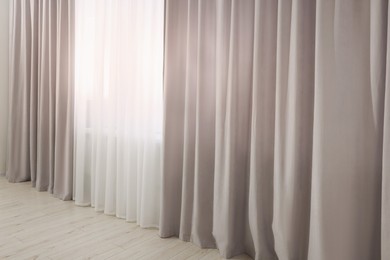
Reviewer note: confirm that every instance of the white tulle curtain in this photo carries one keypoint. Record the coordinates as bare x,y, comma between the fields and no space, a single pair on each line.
118,110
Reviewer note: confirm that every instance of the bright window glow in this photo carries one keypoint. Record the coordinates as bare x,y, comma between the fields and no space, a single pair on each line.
119,109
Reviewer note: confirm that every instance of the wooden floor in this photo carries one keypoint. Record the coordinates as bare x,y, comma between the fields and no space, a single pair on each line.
34,225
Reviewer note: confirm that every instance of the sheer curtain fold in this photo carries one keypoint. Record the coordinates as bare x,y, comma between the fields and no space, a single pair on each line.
279,110
118,110
41,117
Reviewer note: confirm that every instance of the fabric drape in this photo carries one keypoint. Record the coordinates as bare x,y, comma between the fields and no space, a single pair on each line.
118,109
4,32
385,77
276,130
40,139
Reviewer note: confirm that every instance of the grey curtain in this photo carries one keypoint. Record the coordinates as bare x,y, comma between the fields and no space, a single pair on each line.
277,127
40,146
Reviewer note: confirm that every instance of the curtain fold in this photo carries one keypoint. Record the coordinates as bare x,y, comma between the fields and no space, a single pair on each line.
385,202
118,109
293,127
276,139
4,56
40,140
348,139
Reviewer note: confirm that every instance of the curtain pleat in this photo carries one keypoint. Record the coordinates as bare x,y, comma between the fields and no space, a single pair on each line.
293,127
262,145
233,99
348,125
40,140
276,139
385,201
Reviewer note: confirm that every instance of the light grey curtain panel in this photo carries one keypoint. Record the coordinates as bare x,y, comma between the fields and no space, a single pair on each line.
40,139
277,127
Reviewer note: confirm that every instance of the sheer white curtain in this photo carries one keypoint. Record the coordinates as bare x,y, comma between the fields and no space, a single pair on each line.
4,16
118,107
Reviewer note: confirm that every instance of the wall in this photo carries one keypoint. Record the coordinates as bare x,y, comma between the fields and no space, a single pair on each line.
4,38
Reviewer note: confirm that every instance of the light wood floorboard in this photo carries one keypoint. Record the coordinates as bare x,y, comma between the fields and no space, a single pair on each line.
35,225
